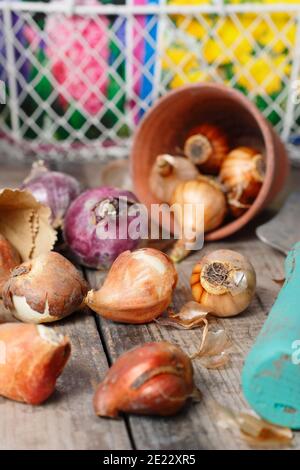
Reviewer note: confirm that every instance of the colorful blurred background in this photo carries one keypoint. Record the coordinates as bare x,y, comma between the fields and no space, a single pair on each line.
81,74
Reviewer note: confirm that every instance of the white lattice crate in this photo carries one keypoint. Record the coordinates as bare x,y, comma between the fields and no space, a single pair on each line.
79,76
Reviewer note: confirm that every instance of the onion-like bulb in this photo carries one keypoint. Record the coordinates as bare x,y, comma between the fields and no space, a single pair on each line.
203,192
137,289
44,289
34,357
153,379
167,172
97,226
224,282
53,189
207,146
242,173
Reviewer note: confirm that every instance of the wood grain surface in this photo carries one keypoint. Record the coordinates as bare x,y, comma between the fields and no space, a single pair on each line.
67,420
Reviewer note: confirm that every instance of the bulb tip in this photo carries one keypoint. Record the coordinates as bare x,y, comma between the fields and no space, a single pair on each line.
179,252
198,148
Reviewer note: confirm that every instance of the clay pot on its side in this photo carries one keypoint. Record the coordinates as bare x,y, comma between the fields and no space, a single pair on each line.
166,126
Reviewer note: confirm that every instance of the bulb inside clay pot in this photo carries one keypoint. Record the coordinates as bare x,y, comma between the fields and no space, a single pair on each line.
199,207
44,289
243,174
167,172
207,146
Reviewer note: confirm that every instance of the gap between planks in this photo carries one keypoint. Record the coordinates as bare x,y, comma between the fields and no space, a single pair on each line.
67,420
194,427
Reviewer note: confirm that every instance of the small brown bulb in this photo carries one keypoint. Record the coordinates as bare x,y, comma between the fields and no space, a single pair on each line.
167,172
242,173
207,146
202,193
152,379
138,288
34,358
44,289
223,282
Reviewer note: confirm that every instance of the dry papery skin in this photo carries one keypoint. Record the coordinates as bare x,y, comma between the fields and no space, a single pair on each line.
209,194
32,358
9,259
153,379
167,172
224,282
25,223
44,289
213,352
207,146
191,315
242,173
255,431
137,289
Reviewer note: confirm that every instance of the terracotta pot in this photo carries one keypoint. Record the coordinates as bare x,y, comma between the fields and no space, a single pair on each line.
166,125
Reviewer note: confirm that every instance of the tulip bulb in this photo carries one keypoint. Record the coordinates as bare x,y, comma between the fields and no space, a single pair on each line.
9,259
32,358
153,379
242,173
203,192
167,172
137,289
44,289
207,146
224,282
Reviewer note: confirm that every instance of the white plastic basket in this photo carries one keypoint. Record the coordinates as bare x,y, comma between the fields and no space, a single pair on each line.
80,76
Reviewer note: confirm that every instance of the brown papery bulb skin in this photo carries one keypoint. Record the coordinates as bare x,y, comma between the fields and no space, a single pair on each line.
203,191
167,172
9,259
137,289
153,379
32,358
242,173
44,289
224,282
207,146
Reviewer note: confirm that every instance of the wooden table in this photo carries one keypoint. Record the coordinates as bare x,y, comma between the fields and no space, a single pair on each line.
67,420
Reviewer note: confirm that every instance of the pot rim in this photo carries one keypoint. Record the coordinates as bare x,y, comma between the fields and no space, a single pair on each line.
269,150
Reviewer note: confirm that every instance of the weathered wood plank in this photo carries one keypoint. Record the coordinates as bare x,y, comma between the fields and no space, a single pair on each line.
194,427
67,420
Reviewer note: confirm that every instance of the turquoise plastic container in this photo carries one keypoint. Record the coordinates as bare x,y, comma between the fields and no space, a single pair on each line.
271,374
